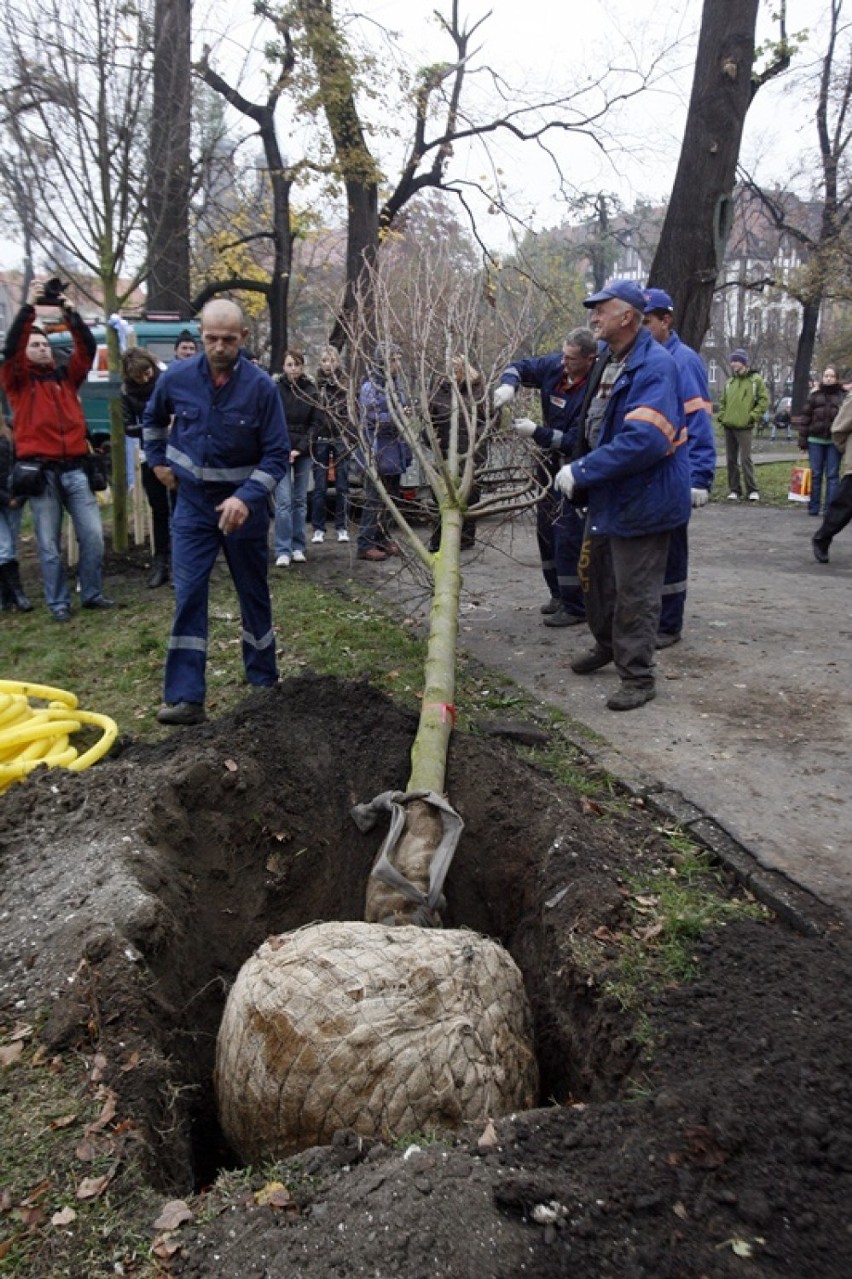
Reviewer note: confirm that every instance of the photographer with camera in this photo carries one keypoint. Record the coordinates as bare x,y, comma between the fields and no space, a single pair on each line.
52,467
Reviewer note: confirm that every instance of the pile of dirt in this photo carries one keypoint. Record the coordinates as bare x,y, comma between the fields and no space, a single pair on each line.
706,1136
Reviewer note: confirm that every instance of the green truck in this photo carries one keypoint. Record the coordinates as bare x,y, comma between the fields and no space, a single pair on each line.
156,336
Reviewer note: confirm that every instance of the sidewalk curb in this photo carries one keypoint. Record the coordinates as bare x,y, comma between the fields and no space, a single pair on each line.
795,905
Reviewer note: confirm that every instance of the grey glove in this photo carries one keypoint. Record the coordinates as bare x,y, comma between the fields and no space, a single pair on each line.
700,497
564,481
524,426
503,395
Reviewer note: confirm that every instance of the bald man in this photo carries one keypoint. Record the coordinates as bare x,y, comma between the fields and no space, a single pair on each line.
214,433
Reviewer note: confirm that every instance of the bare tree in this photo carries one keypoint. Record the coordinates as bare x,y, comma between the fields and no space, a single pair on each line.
74,113
691,250
472,472
825,239
170,174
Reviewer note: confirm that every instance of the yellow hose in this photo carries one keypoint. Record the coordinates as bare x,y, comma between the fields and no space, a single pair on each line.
34,737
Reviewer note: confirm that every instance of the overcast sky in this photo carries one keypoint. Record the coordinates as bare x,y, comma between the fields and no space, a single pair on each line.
551,45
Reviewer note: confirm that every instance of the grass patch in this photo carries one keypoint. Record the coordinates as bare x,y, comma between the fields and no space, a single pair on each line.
73,1199
670,908
772,477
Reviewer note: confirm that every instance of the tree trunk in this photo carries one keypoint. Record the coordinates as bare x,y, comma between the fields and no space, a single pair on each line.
169,182
805,355
692,245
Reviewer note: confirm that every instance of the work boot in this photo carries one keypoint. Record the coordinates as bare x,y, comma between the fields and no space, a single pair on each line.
665,639
14,591
561,617
591,661
552,605
630,696
182,713
7,599
159,574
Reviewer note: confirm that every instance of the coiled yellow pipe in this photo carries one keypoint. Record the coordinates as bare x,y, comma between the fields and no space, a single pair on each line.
34,737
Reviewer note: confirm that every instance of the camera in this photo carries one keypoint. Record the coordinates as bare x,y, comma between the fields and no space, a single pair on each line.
51,293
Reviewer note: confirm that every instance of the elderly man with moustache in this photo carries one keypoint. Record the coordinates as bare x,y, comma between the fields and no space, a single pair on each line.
634,481
214,432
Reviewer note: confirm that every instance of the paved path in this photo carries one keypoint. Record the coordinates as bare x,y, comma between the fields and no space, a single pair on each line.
753,719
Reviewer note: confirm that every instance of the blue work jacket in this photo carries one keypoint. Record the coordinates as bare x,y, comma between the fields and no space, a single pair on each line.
231,440
637,476
701,443
559,406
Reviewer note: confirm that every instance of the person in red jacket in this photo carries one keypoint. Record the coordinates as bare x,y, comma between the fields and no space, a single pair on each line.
50,434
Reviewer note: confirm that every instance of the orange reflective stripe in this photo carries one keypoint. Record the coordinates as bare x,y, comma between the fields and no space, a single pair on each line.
662,423
694,405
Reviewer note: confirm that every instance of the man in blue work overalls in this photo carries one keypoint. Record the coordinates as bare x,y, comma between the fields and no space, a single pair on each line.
214,433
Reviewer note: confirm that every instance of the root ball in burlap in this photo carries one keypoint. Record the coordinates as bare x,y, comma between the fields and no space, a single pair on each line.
385,1031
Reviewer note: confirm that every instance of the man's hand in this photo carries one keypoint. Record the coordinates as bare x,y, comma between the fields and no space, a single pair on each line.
503,395
166,476
34,291
525,427
700,497
233,513
564,481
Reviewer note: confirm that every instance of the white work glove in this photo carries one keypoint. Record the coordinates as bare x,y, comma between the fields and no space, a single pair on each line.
525,427
565,481
700,497
503,395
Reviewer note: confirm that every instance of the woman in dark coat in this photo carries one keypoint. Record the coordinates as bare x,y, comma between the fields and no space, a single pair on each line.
815,437
299,397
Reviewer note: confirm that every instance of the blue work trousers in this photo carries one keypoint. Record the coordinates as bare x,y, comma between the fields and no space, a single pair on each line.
559,531
68,490
196,541
674,583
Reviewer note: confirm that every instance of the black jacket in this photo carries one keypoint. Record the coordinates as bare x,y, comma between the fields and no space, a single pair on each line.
302,411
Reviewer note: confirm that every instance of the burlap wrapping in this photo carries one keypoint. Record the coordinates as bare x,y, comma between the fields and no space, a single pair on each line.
387,1031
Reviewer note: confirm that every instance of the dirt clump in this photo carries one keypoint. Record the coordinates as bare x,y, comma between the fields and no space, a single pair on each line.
706,1134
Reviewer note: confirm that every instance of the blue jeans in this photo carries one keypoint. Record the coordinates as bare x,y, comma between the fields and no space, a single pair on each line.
291,506
824,460
68,490
324,451
376,521
10,523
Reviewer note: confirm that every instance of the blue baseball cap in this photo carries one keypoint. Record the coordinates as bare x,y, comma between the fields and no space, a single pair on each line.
657,300
625,290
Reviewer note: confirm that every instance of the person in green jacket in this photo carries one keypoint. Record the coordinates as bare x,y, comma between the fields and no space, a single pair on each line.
745,399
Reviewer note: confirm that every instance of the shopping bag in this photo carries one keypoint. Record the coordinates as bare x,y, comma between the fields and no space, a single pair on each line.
800,484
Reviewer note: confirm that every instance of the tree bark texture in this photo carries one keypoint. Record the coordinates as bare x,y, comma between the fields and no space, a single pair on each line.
169,184
692,245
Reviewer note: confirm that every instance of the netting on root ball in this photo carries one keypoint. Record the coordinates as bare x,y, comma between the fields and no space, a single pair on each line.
381,1030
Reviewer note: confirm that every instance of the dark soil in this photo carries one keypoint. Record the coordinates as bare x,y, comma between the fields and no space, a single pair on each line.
708,1137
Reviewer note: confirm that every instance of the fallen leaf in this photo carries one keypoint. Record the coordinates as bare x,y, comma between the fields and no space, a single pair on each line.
680,1211
489,1139
32,1217
272,1188
6,1199
131,1063
741,1247
649,933
10,1053
65,1122
590,806
99,1065
87,1150
165,1248
64,1217
23,1032
232,766
6,1246
173,1214
107,1114
91,1187
648,902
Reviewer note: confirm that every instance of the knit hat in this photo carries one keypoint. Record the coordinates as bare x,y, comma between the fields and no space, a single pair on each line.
740,356
185,336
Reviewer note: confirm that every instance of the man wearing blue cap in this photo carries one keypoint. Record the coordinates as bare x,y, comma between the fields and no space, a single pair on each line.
635,483
701,451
